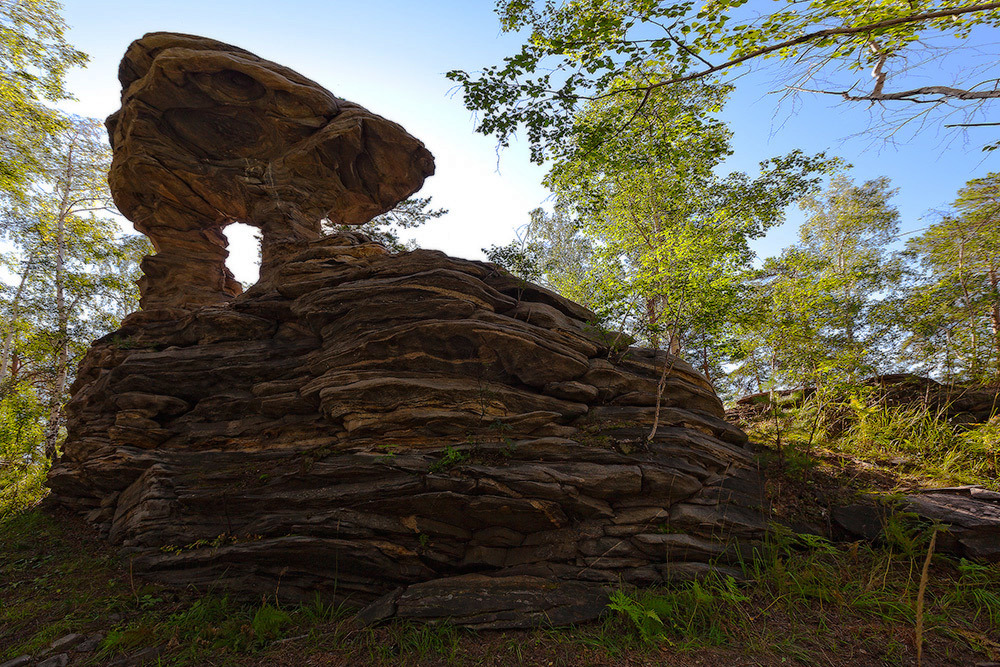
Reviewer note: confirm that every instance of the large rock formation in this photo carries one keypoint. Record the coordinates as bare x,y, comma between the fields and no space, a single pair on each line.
428,434
210,134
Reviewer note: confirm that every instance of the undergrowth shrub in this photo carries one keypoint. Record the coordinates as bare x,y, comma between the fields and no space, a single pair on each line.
950,452
22,486
22,465
269,622
691,612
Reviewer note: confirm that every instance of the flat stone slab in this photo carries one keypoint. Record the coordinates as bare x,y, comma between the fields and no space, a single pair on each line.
970,514
492,603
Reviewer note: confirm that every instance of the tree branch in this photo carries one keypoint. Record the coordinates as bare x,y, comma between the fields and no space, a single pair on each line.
878,73
819,34
946,92
972,125
681,45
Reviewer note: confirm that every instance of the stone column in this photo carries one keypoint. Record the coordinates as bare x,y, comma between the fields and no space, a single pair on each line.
284,232
188,269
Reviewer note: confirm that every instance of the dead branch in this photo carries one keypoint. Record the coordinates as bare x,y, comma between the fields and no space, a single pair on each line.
945,92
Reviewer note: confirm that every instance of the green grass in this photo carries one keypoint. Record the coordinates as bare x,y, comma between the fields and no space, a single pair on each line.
49,588
805,598
928,443
214,626
58,580
692,614
411,641
825,597
914,444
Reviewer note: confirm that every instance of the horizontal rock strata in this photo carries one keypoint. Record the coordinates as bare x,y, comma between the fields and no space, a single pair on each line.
374,421
427,436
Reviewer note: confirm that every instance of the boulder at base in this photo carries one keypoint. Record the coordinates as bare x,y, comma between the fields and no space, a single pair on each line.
426,436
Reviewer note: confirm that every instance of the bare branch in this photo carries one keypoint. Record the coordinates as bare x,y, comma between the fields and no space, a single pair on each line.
877,72
972,125
945,92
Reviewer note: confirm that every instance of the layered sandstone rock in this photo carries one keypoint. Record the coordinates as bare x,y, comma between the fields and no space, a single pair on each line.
423,433
209,134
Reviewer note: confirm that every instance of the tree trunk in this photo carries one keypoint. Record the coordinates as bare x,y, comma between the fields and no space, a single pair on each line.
8,341
756,373
15,311
949,374
970,308
675,344
651,317
995,315
774,412
62,359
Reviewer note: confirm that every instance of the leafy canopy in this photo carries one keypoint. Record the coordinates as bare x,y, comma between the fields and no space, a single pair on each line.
34,58
577,51
817,308
646,231
952,305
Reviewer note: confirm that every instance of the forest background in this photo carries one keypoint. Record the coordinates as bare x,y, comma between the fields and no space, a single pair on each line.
649,222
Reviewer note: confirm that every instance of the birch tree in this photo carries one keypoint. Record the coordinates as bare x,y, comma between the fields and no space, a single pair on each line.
819,314
34,59
73,268
953,307
670,235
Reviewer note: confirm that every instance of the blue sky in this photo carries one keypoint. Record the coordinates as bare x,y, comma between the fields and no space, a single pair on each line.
391,56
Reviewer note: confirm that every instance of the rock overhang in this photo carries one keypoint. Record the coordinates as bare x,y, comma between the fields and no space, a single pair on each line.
209,134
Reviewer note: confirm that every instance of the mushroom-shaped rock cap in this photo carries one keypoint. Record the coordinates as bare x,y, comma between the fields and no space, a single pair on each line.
210,134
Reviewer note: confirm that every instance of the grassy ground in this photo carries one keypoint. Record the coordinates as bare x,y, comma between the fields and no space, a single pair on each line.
806,601
886,448
810,603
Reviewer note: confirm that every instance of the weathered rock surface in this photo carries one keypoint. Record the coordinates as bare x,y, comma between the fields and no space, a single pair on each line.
425,433
210,134
377,420
19,661
59,660
969,514
484,602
